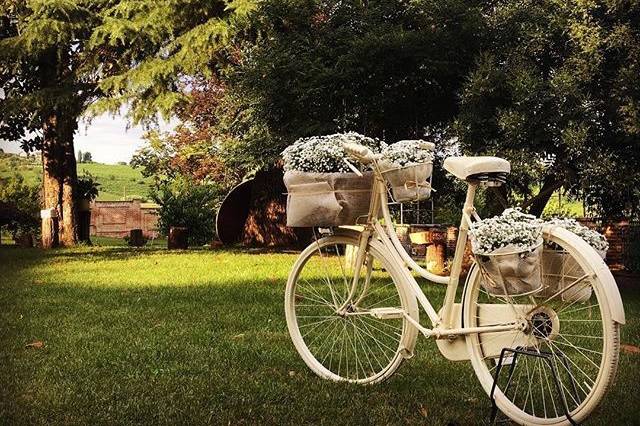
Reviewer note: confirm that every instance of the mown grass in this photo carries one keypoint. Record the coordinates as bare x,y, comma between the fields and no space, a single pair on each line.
149,336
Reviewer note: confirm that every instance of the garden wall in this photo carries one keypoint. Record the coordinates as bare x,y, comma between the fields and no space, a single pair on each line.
117,218
624,244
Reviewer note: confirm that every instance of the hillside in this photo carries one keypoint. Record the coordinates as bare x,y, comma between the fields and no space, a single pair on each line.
117,181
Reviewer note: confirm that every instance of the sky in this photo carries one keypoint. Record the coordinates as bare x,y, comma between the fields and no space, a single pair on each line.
106,138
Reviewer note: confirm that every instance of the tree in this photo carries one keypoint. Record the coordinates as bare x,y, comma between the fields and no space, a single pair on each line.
86,157
49,75
162,47
388,69
80,157
556,90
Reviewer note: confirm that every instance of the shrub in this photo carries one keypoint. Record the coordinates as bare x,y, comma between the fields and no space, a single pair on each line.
88,186
189,204
19,206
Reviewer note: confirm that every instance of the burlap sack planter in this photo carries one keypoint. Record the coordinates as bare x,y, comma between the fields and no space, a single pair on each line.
409,183
508,271
560,270
327,199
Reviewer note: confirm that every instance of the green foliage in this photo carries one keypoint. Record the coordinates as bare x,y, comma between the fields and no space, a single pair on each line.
385,69
19,206
126,181
160,46
87,187
188,204
556,91
46,67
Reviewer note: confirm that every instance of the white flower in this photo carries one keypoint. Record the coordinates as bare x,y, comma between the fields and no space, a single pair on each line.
511,228
408,153
593,238
324,154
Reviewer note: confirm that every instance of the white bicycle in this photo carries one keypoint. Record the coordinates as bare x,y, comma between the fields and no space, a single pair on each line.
352,310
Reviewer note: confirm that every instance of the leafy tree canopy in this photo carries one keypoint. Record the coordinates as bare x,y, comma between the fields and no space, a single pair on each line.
383,68
161,46
557,91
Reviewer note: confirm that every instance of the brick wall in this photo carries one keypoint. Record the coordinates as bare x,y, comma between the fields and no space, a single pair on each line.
117,218
615,231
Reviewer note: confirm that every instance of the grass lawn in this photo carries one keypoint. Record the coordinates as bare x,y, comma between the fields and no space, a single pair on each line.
117,181
149,336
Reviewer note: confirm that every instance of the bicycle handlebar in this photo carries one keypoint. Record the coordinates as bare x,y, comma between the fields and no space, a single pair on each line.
359,152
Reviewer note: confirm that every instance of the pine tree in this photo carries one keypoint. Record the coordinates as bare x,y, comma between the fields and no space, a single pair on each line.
49,76
164,48
58,57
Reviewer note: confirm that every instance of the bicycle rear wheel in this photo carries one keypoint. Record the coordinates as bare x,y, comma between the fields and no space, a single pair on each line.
357,335
569,343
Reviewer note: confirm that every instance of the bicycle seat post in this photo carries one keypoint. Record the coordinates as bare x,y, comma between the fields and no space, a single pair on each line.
456,268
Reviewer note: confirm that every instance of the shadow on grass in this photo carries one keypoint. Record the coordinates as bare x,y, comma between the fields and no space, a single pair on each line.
213,353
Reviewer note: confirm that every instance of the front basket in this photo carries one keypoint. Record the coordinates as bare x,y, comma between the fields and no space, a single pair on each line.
327,199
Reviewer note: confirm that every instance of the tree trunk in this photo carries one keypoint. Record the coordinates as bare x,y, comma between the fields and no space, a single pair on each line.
539,202
59,178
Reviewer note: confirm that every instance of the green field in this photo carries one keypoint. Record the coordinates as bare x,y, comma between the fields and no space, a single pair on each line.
117,181
150,336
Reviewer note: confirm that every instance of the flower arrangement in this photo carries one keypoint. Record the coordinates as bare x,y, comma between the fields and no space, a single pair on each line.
512,228
593,238
324,154
408,153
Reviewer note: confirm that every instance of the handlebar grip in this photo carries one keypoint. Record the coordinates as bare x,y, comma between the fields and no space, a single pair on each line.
359,152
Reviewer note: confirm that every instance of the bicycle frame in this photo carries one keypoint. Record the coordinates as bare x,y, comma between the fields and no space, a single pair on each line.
443,325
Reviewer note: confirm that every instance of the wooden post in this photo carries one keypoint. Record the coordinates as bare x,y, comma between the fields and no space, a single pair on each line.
50,237
436,251
178,238
136,239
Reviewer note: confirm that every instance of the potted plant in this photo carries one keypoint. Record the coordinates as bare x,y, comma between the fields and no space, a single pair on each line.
560,268
407,165
508,252
322,189
87,190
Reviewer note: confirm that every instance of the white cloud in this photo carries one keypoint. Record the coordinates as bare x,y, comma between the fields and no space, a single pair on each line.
106,138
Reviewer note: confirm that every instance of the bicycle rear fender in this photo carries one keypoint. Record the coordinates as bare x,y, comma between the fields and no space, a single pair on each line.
578,246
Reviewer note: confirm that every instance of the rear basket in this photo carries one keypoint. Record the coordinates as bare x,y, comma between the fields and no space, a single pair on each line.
507,272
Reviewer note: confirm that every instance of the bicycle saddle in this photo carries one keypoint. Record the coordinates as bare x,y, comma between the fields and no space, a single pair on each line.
466,167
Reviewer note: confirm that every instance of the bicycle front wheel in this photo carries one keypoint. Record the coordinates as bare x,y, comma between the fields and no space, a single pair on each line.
345,332
566,355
